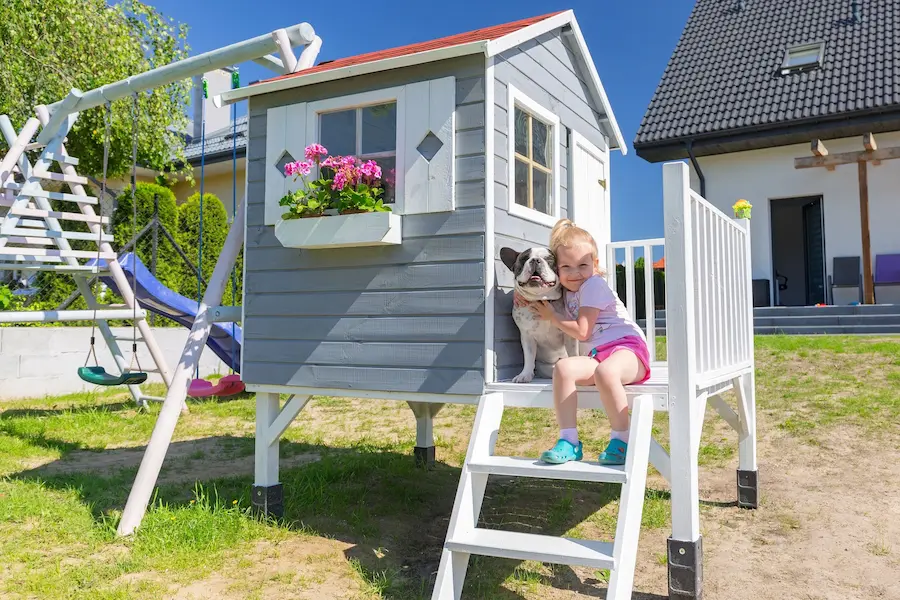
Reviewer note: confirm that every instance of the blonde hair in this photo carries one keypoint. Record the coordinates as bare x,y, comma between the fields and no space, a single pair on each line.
566,233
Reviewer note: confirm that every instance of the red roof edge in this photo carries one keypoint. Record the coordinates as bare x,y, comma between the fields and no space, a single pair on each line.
476,35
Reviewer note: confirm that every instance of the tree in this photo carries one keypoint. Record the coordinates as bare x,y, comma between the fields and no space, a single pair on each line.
48,47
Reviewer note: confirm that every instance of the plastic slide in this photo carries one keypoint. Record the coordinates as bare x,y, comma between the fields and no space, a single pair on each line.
155,297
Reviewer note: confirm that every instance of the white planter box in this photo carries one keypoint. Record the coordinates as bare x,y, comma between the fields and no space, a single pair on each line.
340,231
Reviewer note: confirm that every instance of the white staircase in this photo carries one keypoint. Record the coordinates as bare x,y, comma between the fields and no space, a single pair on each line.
464,537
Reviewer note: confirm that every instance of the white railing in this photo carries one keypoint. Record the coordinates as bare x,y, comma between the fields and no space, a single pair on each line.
709,301
649,284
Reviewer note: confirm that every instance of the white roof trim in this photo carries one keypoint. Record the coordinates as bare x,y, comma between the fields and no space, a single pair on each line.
488,48
511,40
299,80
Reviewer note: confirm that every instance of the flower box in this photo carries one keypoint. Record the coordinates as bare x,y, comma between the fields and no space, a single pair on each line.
340,231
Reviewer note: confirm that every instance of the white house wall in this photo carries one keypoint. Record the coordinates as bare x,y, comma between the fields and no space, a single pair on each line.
761,175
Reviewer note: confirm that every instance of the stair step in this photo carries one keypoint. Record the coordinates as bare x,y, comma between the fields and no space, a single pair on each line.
532,467
530,546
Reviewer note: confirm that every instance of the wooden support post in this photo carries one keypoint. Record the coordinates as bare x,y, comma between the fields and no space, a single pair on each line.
424,449
868,284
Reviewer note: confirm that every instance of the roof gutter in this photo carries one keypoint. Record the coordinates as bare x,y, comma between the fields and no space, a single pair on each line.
690,148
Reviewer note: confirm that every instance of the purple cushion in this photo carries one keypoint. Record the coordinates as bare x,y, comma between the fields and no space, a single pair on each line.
887,268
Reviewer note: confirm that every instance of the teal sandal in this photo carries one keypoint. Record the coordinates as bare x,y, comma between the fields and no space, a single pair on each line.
614,454
563,452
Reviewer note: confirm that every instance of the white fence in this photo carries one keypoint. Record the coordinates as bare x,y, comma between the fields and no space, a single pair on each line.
723,323
647,247
40,361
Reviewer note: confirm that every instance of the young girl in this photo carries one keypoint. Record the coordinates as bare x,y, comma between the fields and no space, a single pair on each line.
613,348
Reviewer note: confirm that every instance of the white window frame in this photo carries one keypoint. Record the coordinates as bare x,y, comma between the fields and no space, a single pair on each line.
517,97
819,47
380,96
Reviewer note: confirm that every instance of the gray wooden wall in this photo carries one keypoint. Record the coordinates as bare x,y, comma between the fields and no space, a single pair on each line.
399,318
547,71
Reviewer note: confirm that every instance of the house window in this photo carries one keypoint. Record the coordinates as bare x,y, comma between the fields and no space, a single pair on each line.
534,159
368,133
801,58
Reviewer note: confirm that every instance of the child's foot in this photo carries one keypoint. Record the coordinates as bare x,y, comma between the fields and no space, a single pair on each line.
614,453
562,452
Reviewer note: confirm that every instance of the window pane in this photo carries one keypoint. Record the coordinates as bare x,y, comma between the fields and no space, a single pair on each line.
388,166
521,184
541,191
379,128
521,132
339,132
540,142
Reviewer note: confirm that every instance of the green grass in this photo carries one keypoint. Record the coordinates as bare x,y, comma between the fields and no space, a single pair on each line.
372,522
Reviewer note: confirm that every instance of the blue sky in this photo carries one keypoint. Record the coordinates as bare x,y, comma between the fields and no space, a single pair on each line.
630,43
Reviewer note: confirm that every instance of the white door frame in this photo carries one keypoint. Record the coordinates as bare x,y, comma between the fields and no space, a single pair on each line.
577,140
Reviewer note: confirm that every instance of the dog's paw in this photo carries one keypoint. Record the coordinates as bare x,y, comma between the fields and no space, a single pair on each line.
523,377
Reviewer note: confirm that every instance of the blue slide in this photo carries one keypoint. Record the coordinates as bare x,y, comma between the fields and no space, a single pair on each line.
155,297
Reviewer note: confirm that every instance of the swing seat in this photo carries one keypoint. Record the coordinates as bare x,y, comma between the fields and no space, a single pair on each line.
99,376
230,385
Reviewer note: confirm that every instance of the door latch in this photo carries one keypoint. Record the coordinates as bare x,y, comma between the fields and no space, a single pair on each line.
602,182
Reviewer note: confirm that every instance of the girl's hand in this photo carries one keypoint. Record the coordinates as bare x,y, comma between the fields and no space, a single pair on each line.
518,300
543,310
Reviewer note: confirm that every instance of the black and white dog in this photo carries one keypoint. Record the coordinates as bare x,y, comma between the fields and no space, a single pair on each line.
543,343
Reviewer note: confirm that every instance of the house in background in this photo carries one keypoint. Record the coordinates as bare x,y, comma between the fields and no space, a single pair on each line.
793,105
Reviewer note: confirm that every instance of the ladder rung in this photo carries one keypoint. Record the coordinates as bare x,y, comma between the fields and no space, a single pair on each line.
25,255
57,268
532,467
529,546
60,177
68,235
68,160
42,193
34,241
59,253
55,214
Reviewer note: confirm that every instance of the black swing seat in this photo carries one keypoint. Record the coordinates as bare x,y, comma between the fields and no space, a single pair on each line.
99,376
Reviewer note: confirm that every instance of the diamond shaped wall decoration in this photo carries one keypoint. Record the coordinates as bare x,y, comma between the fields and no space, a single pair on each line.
284,159
429,146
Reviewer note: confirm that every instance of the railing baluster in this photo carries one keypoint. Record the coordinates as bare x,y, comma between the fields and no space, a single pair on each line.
630,297
650,300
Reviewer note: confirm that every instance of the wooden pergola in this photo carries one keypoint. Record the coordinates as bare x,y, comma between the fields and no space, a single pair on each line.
870,154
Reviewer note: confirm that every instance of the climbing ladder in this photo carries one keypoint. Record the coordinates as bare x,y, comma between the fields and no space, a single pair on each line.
465,538
32,237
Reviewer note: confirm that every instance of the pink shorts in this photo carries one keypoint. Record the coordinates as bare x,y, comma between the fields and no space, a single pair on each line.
629,342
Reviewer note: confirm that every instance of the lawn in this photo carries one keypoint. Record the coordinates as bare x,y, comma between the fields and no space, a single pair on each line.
363,522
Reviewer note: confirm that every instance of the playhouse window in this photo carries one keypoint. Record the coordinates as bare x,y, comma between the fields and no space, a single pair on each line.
368,133
534,159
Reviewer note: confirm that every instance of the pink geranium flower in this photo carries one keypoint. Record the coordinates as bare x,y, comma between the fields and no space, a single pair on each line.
370,170
314,151
304,167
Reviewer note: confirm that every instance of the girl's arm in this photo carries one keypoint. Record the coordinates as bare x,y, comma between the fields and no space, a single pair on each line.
580,329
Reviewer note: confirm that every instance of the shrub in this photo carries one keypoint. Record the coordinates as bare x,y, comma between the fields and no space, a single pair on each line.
215,230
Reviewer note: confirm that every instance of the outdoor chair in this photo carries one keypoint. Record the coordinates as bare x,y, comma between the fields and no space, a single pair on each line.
845,282
887,278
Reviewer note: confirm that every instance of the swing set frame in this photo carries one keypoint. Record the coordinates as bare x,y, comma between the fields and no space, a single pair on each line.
54,122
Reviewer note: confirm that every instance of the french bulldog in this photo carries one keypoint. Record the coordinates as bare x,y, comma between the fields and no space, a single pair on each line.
543,344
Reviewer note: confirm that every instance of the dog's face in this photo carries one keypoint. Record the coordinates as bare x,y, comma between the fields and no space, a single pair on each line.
535,273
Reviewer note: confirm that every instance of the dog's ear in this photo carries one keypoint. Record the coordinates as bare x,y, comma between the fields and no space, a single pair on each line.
509,257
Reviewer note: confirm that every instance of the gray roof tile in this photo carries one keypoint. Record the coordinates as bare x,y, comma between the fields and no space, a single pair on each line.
219,141
724,74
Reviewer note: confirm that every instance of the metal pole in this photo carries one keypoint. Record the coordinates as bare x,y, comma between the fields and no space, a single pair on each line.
298,35
155,245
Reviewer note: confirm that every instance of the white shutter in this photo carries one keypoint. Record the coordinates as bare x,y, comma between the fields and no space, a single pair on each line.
428,146
285,133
